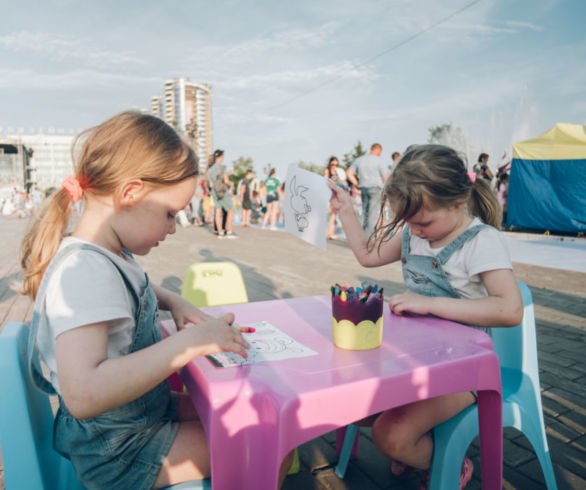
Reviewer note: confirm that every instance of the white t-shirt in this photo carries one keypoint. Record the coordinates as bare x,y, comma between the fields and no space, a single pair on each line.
86,288
486,251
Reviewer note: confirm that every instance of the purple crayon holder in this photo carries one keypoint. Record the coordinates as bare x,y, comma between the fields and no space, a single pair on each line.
357,325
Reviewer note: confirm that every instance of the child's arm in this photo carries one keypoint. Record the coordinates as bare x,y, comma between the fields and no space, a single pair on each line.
503,307
91,383
389,252
181,310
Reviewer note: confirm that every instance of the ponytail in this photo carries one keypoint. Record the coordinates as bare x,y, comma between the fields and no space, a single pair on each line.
484,204
41,242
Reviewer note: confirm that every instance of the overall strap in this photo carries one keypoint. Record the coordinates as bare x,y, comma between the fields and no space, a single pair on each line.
457,243
405,245
33,363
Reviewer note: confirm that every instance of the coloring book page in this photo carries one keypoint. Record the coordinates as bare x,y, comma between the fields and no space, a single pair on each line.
268,343
305,205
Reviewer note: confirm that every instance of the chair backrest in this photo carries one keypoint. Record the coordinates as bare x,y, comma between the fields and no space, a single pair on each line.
517,346
214,284
26,422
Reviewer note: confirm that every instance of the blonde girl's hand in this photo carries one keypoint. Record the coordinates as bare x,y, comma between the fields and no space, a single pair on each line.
184,312
218,335
340,198
409,302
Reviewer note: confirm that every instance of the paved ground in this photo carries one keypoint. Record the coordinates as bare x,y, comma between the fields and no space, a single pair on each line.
277,265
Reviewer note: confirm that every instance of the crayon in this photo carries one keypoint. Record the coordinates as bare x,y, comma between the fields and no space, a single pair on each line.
343,186
247,329
343,296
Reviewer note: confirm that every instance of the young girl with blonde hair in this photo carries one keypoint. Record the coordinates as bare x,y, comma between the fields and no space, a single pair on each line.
95,316
455,266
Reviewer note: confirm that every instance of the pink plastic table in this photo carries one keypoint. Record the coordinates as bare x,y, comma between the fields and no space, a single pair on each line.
255,414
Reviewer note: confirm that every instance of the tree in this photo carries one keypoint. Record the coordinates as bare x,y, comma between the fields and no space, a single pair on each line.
356,153
239,168
312,167
438,133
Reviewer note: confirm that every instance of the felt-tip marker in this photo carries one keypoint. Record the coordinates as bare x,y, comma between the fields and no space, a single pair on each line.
339,184
247,329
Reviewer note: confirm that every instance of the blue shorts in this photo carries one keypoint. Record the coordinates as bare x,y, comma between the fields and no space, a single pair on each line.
272,196
122,448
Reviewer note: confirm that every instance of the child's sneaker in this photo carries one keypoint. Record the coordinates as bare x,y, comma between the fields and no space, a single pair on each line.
466,473
465,476
424,481
231,234
401,470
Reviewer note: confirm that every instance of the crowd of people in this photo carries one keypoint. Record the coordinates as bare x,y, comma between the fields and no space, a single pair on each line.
21,204
254,201
220,202
217,198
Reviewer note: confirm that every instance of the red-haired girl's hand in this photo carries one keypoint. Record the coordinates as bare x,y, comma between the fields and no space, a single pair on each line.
340,199
409,302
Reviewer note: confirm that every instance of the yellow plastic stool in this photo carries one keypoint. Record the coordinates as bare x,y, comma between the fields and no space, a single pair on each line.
214,284
295,464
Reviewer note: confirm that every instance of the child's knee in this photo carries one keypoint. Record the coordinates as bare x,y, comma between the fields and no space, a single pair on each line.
390,437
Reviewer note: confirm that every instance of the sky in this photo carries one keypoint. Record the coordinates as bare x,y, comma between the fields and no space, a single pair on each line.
303,80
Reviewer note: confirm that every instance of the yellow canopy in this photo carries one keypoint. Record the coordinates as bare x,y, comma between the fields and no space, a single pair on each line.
562,142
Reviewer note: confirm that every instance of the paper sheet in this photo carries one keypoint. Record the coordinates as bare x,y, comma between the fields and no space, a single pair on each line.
268,343
305,205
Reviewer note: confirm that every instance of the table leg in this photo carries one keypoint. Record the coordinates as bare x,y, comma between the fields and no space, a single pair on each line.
490,419
244,461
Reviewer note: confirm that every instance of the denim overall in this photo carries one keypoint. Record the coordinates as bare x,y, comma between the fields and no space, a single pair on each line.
122,448
425,275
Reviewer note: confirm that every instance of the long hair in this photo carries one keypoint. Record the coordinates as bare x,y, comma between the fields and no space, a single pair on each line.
127,146
432,175
329,166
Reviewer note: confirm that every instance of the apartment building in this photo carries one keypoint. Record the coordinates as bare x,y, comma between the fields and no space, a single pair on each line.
187,106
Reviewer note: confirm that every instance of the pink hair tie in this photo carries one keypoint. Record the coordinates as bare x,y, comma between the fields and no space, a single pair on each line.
73,188
472,176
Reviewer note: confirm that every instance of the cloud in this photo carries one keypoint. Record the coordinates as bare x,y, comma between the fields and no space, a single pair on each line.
252,118
255,49
25,79
299,79
522,24
63,47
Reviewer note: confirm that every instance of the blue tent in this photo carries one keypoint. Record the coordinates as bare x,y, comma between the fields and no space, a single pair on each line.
547,188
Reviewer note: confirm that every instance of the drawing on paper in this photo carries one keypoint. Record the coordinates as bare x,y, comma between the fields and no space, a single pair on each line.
305,205
268,343
299,204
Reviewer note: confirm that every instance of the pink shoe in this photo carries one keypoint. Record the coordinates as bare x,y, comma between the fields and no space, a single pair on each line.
401,470
424,482
466,473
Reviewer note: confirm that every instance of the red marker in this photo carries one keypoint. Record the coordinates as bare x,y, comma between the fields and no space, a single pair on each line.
247,329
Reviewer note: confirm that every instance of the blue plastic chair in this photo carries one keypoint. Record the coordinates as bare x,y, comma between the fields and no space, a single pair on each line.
26,425
26,422
517,351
